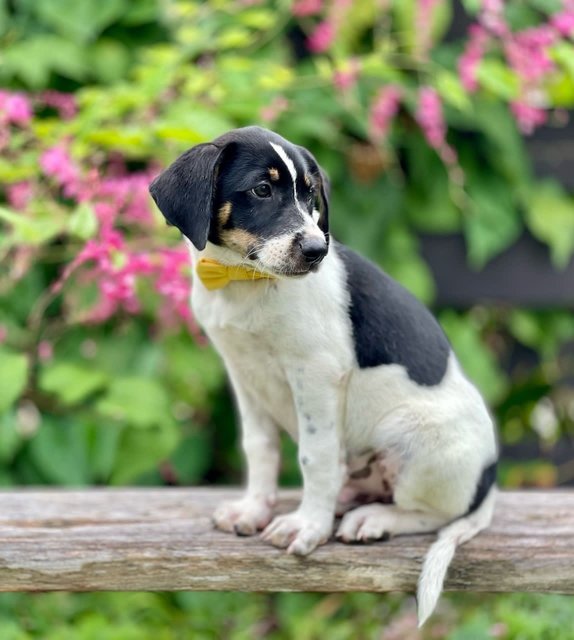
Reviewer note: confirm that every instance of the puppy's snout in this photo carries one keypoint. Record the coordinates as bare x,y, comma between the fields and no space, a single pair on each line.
314,249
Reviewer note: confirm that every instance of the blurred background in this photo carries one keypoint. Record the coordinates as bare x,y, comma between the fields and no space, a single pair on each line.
445,128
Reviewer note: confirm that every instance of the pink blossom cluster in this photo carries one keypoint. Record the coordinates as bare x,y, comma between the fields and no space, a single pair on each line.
429,115
302,8
119,199
15,108
64,103
384,108
474,51
322,37
56,163
430,118
108,262
527,52
19,194
346,77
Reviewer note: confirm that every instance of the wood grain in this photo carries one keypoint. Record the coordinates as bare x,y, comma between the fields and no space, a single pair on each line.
162,539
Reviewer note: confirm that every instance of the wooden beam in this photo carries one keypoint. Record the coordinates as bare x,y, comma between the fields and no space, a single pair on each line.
163,540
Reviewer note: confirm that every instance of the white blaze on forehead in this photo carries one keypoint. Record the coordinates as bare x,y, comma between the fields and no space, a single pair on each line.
286,159
291,168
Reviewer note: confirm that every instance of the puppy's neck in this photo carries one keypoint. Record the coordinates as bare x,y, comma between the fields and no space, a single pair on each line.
214,252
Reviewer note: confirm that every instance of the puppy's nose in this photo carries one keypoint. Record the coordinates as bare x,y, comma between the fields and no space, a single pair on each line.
314,249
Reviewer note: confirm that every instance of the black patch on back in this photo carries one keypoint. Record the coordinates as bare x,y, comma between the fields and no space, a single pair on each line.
390,326
487,479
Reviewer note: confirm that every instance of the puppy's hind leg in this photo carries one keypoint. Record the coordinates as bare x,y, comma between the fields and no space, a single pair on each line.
378,521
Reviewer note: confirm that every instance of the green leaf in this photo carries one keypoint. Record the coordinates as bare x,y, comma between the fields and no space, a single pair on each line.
493,223
550,217
563,53
141,450
14,369
70,382
83,222
496,77
451,90
32,60
110,60
404,19
257,18
79,20
479,363
136,400
547,6
29,230
3,17
10,438
192,458
60,450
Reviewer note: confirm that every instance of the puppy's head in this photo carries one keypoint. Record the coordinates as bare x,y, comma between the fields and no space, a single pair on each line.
254,193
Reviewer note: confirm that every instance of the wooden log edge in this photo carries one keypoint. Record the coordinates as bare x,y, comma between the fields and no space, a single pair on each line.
163,540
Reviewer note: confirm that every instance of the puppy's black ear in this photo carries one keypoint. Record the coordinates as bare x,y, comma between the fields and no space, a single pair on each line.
184,191
324,186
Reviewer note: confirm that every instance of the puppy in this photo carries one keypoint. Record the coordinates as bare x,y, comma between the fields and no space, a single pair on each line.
322,343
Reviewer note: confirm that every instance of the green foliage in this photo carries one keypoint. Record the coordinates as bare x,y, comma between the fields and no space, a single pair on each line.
239,616
13,377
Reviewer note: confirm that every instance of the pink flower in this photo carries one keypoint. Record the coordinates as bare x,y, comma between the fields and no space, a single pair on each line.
383,109
19,195
16,107
64,103
563,22
45,351
429,115
3,333
302,8
527,53
322,37
469,61
272,111
527,116
492,17
56,163
346,78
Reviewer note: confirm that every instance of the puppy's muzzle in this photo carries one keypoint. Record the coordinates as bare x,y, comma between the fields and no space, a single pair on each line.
313,248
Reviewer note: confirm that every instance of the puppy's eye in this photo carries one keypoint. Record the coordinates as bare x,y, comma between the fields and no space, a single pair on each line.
262,191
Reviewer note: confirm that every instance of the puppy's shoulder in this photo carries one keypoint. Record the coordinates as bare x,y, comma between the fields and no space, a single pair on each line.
390,326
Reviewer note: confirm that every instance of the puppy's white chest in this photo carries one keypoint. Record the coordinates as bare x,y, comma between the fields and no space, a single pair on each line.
254,363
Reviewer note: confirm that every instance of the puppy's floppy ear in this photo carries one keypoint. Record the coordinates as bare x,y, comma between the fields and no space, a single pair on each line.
324,189
184,191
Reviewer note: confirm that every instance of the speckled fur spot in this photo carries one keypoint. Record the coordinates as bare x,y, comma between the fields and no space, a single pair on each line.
274,173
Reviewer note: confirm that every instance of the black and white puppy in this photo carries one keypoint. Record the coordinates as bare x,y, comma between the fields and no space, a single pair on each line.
391,433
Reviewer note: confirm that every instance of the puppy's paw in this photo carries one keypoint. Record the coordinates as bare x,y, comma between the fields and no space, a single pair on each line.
297,532
244,517
366,524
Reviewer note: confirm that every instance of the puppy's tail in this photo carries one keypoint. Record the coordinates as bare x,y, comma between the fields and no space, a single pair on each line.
442,551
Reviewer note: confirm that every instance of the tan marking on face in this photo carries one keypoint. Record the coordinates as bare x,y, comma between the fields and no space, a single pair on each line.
307,179
224,213
239,240
274,173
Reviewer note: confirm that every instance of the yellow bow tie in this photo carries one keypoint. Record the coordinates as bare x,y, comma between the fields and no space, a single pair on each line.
215,275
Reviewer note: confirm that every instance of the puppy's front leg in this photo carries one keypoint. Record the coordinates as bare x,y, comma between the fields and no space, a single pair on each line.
260,440
317,406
